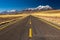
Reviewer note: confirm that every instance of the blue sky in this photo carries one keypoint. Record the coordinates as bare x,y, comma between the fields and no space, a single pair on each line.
22,4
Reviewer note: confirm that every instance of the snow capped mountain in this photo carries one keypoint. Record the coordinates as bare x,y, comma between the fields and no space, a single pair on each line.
44,7
11,10
40,7
30,8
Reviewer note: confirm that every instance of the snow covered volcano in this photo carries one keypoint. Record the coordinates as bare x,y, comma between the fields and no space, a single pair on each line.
40,7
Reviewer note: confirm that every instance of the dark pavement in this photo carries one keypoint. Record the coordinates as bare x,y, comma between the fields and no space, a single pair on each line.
20,30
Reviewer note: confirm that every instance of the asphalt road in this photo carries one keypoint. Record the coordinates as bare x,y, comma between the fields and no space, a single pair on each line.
20,30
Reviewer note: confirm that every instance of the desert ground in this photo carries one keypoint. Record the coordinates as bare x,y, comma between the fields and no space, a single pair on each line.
8,18
52,16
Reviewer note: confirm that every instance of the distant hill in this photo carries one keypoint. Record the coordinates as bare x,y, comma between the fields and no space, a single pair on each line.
40,8
11,12
29,10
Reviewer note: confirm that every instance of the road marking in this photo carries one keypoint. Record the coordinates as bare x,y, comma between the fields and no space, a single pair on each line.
50,24
30,33
30,22
30,29
7,21
5,26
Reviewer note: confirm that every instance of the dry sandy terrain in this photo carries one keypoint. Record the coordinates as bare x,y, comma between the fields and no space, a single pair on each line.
51,16
4,18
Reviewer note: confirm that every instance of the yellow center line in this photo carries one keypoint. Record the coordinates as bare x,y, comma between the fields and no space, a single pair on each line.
30,22
30,30
30,33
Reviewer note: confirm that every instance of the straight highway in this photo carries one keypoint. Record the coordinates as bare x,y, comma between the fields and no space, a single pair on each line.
30,28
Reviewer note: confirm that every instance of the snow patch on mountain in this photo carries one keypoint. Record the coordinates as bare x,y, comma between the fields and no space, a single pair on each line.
44,7
40,7
11,11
